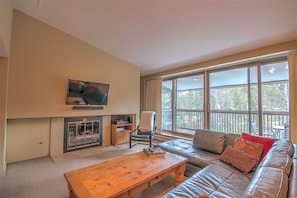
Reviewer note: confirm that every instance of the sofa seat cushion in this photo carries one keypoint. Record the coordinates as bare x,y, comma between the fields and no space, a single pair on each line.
184,148
214,180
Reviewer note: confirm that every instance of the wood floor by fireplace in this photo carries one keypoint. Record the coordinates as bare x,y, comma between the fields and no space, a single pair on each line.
82,132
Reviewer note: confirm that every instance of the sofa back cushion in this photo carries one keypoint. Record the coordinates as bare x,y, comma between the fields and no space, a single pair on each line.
209,141
230,139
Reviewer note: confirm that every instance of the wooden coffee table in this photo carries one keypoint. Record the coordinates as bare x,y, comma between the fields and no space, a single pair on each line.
124,176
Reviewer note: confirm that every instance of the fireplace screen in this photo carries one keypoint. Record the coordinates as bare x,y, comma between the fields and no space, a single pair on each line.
82,133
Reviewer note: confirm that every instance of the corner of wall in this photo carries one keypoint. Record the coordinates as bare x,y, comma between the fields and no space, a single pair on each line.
3,171
3,113
6,13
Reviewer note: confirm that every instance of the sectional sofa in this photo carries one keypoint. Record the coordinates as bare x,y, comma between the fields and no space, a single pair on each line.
229,165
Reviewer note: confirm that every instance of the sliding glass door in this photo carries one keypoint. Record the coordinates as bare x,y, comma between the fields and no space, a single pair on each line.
189,104
182,104
233,100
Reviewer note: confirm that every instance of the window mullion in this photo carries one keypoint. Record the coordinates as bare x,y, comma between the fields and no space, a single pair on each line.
249,98
260,111
174,103
206,100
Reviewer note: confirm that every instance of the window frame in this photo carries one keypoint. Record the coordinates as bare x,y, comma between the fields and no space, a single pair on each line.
206,107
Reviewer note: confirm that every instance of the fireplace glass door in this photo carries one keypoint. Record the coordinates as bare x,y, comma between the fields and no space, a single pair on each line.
82,133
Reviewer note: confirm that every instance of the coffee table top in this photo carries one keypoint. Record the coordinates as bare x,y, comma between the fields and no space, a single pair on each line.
113,177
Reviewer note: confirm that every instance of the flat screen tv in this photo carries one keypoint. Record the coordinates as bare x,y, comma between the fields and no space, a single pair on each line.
86,93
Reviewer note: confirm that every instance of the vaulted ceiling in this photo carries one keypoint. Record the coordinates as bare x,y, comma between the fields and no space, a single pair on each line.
157,35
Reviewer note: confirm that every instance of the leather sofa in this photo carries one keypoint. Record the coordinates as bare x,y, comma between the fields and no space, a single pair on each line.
274,176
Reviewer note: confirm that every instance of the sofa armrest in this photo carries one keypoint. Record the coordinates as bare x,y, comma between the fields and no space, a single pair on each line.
267,182
293,180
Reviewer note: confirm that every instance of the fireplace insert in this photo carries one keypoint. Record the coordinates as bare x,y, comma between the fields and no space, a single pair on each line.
82,132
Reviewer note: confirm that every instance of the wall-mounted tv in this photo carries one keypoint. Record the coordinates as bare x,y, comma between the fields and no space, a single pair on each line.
86,93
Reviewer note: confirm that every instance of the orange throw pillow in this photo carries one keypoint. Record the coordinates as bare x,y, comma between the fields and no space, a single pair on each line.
238,159
266,142
249,147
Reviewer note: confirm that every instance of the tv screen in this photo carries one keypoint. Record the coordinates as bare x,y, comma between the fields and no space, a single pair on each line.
86,93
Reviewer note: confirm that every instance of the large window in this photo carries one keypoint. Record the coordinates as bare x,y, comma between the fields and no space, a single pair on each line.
253,98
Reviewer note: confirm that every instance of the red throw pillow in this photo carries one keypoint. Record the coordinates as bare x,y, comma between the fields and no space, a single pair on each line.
267,142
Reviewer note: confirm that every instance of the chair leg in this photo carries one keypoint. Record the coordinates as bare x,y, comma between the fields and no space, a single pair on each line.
150,141
130,143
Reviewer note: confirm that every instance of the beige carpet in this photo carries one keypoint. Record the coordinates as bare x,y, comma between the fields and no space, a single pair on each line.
44,177
92,151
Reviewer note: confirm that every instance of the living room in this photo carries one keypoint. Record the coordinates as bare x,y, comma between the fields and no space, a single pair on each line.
40,59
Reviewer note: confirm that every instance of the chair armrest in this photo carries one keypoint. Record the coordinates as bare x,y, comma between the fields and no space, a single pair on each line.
134,130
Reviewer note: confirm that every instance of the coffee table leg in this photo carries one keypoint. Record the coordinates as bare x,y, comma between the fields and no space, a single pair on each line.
179,174
71,194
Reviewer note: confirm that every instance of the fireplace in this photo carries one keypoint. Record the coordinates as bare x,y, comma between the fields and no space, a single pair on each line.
82,132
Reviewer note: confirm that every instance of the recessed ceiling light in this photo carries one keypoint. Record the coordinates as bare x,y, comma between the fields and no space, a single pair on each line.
271,70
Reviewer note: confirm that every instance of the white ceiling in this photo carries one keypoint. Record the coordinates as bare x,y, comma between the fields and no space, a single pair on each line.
157,35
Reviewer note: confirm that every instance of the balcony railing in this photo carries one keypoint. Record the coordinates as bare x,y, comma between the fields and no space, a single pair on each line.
229,121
